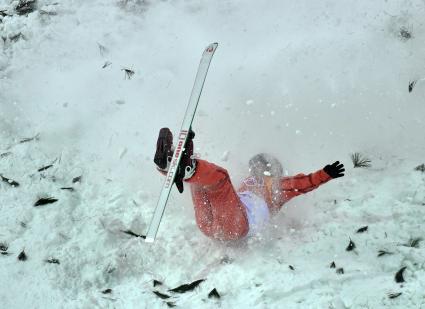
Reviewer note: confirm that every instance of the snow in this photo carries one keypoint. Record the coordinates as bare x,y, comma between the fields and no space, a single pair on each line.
311,82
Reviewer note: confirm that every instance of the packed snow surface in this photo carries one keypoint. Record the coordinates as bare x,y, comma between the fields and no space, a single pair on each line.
86,85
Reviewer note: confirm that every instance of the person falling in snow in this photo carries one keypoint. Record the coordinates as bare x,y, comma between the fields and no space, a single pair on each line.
224,213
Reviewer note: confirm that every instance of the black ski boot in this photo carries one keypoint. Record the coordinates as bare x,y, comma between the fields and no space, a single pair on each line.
164,149
164,156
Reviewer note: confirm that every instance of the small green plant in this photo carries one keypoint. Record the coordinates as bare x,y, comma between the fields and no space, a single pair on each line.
26,6
413,242
360,161
128,73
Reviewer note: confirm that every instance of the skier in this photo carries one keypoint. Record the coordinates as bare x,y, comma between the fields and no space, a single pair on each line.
224,213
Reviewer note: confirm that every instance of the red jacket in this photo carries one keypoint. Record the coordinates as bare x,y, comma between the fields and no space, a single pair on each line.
218,210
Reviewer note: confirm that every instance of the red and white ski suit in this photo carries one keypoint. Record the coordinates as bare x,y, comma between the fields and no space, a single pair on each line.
219,211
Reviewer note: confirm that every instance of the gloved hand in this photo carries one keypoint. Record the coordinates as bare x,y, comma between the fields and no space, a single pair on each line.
335,170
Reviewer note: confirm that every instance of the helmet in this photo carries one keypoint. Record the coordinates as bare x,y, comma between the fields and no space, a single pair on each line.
264,164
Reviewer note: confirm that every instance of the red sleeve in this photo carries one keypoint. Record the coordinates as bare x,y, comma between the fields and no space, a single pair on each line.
301,183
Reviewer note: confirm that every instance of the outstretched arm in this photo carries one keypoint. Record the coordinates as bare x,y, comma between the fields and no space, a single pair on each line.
300,184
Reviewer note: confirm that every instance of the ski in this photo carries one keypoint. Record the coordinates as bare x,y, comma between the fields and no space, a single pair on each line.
182,137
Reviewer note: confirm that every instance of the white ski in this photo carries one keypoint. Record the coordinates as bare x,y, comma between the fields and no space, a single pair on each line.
185,127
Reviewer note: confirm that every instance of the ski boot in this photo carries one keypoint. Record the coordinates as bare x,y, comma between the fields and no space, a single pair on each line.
164,156
164,150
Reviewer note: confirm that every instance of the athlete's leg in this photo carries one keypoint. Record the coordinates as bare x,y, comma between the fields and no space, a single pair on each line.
219,212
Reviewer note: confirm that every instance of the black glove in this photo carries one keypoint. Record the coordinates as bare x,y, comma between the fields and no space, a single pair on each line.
335,170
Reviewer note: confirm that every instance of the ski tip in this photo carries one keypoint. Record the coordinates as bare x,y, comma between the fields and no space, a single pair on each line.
211,48
149,240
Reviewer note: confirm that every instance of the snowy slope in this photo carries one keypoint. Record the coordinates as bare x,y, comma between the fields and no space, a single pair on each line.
308,81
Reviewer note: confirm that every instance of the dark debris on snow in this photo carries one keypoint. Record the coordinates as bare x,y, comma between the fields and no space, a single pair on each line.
187,287
214,294
52,261
45,201
340,271
10,182
394,295
399,275
362,229
131,233
161,295
351,246
384,252
22,256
